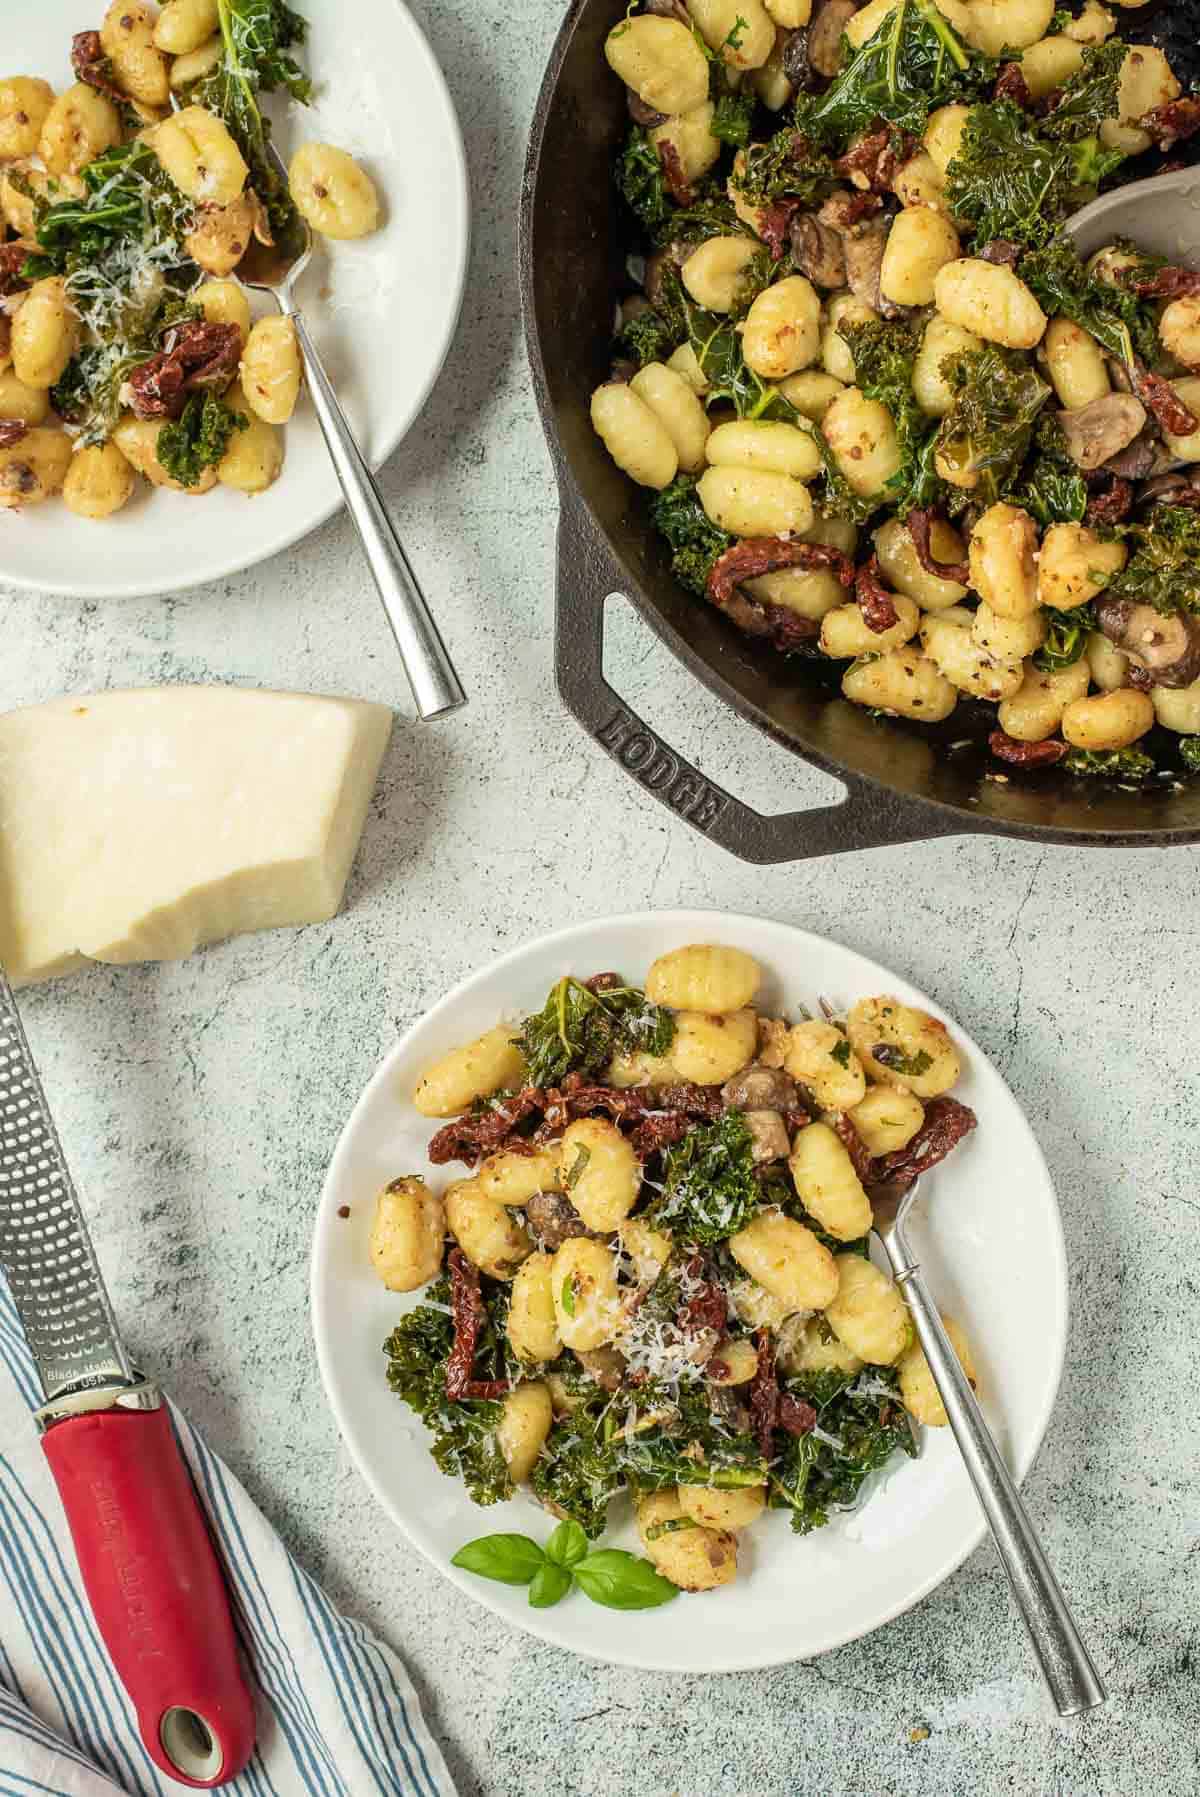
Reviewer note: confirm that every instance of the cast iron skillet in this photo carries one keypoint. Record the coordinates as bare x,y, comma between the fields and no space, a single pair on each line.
903,783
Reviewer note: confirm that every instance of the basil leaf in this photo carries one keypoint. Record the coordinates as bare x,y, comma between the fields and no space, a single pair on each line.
567,1545
578,1167
622,1581
510,1559
568,1295
550,1584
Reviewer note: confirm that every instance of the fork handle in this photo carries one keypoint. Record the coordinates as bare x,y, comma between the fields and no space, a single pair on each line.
435,685
1066,1664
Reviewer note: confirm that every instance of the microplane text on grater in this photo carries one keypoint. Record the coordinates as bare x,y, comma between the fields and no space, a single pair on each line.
44,1246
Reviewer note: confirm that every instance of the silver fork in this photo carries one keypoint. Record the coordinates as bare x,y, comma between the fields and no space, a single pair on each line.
435,685
1066,1664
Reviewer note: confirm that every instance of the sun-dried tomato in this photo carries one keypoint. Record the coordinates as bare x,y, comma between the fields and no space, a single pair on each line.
877,157
1012,85
861,1157
774,222
764,555
603,982
11,431
476,1134
1113,504
1159,397
1177,119
919,524
770,1408
678,185
466,1302
194,355
946,1123
876,604
707,1307
1165,283
12,260
93,67
1018,754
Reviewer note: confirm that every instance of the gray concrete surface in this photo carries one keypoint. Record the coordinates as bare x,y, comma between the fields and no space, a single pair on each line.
206,1098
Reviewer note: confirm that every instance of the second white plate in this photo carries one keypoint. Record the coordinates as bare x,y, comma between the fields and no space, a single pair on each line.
990,1242
382,310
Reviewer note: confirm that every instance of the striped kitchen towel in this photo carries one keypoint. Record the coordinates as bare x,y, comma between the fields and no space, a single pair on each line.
337,1714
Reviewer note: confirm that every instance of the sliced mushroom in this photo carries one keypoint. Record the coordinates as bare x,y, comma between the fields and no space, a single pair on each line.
797,67
863,249
673,255
553,1220
606,1365
768,1137
817,251
1139,458
1102,429
1178,488
758,1088
825,30
641,114
1167,646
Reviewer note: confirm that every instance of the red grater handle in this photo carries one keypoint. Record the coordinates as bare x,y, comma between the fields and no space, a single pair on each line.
156,1589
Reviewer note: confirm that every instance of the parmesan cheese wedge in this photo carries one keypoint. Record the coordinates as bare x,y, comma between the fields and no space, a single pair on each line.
138,826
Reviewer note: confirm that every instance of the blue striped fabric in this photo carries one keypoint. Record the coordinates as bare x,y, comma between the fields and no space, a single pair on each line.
337,1714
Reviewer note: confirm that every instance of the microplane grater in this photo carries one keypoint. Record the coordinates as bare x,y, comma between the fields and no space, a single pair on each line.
45,1249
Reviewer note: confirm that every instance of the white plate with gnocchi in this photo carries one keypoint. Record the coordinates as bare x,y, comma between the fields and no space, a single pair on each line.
377,167
782,1549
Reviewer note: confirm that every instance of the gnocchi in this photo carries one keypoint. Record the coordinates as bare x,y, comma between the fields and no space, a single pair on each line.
333,192
868,1315
704,976
408,1235
270,369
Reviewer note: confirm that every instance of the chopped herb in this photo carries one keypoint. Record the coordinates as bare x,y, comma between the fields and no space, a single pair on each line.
912,1066
582,1157
567,1296
841,1053
1189,753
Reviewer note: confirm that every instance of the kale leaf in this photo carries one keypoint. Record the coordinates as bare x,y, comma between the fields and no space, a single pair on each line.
652,335
1189,753
256,39
1109,764
129,199
710,214
1116,318
884,354
578,1030
717,344
465,1443
732,117
695,540
688,1442
914,63
1164,568
710,1186
1067,633
1050,487
786,167
987,432
88,392
1090,96
641,182
576,1474
1009,180
198,438
860,1424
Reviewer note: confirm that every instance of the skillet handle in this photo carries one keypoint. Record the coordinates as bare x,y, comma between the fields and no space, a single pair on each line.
868,817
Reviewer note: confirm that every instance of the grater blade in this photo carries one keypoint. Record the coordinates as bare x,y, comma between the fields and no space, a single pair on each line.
45,1250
